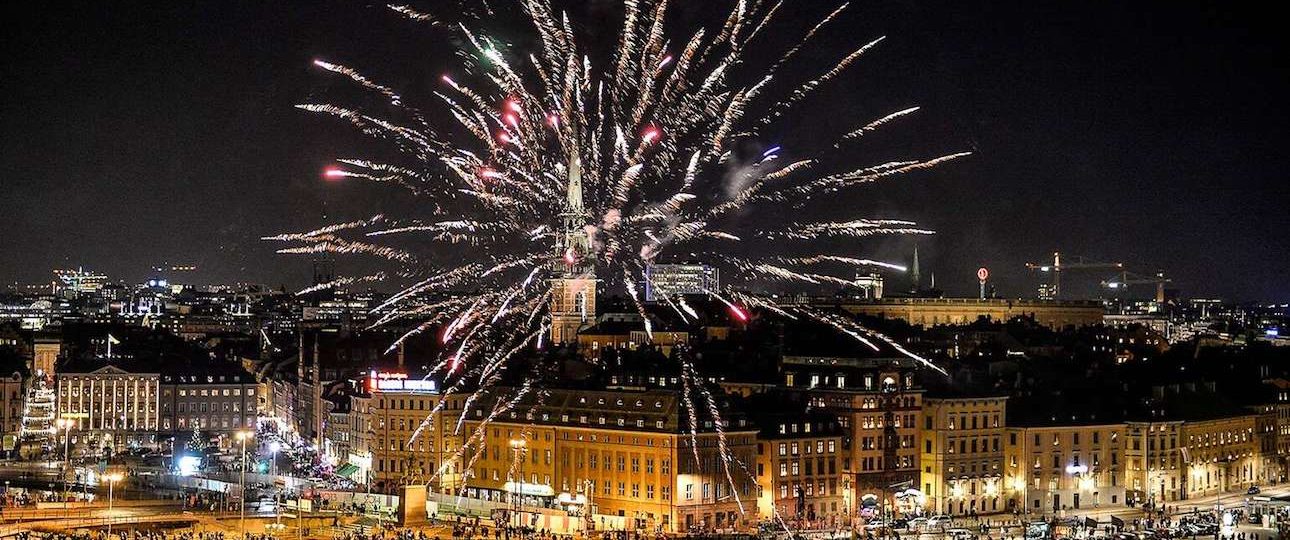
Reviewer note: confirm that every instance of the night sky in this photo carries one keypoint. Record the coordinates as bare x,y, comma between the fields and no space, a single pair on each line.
1148,132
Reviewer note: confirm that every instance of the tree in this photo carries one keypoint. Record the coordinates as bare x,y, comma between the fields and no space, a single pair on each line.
197,443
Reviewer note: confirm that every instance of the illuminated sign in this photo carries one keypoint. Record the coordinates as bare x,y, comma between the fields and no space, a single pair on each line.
536,490
413,385
1076,469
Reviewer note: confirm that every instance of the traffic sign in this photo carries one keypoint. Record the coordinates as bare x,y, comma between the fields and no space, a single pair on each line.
982,273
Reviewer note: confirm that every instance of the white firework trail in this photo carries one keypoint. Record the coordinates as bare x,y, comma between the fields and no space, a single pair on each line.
650,137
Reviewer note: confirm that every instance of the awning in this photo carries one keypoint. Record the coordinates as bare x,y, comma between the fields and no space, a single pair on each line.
347,470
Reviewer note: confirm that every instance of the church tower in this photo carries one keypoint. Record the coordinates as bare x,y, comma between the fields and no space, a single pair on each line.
573,291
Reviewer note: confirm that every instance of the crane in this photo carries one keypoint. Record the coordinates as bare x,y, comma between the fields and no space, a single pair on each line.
1054,287
1127,278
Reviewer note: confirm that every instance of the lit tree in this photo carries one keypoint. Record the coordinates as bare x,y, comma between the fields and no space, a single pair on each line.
197,443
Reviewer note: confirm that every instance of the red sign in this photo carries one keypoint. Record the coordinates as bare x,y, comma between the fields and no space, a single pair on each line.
982,274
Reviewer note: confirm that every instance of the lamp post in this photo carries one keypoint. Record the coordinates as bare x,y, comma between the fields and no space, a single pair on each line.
112,479
242,436
518,446
66,424
1021,485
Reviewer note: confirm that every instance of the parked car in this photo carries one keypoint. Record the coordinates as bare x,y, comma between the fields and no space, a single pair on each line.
937,523
916,524
1254,490
960,534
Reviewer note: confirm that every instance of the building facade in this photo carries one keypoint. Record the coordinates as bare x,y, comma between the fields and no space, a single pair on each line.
877,403
113,408
625,457
962,455
1154,463
799,469
400,434
213,405
934,311
1221,455
668,280
1061,468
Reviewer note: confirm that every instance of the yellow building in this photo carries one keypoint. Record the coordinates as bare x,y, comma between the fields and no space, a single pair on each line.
962,455
1220,455
626,455
934,311
1153,454
799,469
1051,469
878,404
398,438
45,354
1265,430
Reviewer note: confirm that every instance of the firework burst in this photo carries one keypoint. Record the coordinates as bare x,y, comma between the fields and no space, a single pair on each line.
553,169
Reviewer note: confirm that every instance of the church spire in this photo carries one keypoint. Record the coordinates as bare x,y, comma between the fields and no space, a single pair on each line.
918,282
575,184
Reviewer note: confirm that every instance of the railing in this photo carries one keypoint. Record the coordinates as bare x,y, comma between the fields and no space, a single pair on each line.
86,523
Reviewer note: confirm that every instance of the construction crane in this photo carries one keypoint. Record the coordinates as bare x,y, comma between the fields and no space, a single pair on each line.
1127,279
1054,287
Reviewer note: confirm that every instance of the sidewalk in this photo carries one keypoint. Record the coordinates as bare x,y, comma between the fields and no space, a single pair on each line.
1103,514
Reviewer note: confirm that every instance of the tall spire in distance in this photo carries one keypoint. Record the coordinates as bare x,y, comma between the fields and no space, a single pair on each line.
917,280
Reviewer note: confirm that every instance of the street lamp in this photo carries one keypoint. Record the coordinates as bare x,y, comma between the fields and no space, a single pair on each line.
66,425
518,446
242,436
112,479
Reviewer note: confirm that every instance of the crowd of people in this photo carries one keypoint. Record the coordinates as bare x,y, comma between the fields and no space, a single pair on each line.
383,533
127,535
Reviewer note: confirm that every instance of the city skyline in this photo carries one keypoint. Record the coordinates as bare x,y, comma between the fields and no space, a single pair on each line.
644,269
140,197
